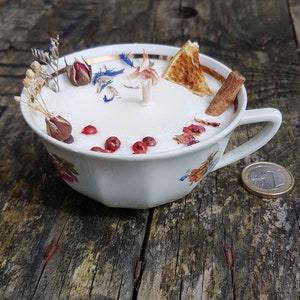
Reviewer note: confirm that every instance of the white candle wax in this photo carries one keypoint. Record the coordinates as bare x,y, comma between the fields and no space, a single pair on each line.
170,108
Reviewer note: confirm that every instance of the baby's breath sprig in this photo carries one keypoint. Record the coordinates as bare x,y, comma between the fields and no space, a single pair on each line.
50,58
56,126
33,84
37,76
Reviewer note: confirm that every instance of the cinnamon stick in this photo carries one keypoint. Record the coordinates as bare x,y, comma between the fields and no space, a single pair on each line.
226,94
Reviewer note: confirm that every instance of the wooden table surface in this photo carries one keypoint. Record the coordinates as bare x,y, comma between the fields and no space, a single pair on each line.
219,242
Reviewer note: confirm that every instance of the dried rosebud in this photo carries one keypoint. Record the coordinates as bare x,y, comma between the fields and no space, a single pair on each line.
58,127
79,73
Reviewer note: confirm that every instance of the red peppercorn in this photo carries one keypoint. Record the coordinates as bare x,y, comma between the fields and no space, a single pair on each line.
139,147
89,129
112,143
149,141
100,149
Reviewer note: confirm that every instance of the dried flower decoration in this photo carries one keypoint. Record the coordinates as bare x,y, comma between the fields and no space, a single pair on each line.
106,74
33,84
35,79
127,59
104,80
50,58
145,71
56,126
185,139
79,73
213,124
193,129
59,128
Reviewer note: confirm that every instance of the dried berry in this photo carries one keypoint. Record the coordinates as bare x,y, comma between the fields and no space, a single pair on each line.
112,143
89,129
139,147
79,73
58,127
149,141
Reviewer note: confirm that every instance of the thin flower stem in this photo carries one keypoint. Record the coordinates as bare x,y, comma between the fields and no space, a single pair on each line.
41,107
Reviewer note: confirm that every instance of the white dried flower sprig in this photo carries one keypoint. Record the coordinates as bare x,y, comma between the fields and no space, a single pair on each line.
33,84
56,126
36,78
50,58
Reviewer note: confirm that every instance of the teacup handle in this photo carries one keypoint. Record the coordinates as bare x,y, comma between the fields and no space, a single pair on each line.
271,116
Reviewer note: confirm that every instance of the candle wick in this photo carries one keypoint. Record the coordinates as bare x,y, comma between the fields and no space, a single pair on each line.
146,91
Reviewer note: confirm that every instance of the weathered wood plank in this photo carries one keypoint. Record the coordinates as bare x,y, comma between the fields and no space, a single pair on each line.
294,7
94,249
221,244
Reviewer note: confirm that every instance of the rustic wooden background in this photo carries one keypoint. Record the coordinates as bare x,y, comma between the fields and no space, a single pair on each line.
219,242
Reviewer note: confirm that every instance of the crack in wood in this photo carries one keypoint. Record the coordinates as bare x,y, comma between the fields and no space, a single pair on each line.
181,288
49,253
177,263
141,260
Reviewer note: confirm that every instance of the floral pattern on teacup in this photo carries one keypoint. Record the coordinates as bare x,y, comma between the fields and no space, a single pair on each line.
195,175
64,168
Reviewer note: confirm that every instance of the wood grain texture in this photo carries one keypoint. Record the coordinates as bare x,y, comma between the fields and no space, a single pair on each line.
219,242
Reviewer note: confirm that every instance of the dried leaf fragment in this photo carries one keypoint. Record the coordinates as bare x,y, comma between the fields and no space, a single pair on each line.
229,256
51,249
213,124
185,139
138,270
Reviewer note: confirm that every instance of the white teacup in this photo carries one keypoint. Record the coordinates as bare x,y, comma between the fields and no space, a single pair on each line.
146,180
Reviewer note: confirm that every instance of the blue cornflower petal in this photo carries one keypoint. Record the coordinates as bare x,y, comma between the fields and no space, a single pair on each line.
126,59
96,77
106,99
113,73
107,72
105,84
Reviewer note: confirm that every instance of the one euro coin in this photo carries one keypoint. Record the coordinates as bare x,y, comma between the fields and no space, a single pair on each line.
267,179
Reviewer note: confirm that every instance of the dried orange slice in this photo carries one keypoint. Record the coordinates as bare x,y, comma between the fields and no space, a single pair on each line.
185,69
